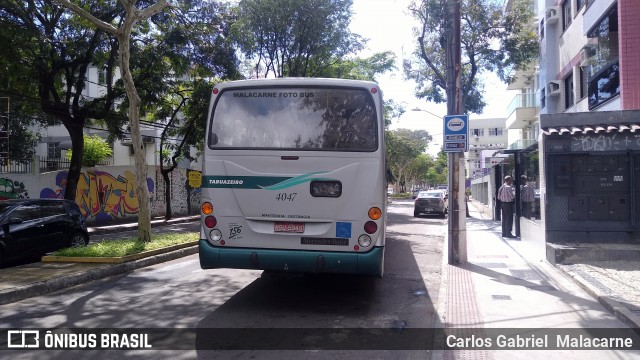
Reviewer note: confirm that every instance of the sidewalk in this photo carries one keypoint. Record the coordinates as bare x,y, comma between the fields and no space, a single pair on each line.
502,287
24,281
614,284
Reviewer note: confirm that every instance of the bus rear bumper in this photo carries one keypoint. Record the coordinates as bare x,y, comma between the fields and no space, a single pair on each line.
294,261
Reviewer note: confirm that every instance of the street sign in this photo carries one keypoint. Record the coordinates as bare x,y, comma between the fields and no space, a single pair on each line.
456,133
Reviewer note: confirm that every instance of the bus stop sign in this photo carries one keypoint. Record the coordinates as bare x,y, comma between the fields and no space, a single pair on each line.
456,133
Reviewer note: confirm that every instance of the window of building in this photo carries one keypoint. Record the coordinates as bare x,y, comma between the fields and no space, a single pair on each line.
541,29
566,14
478,132
583,83
603,72
53,121
102,76
543,99
569,99
54,150
495,132
579,4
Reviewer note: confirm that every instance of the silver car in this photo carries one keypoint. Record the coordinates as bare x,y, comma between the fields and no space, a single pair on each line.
431,202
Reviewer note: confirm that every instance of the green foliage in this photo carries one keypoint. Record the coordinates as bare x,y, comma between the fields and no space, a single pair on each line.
403,146
392,110
290,38
360,68
125,247
96,150
483,25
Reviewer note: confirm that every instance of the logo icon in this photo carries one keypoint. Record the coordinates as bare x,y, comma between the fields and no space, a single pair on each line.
455,124
23,339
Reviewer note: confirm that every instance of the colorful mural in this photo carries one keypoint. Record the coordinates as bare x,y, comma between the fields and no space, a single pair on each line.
10,189
100,195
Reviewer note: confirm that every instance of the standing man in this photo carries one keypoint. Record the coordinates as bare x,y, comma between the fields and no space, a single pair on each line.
506,195
527,196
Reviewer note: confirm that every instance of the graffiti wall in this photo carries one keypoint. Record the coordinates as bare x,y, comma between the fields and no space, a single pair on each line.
107,194
12,189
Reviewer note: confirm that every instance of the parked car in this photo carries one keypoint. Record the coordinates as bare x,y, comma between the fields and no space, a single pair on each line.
30,227
414,193
431,202
443,188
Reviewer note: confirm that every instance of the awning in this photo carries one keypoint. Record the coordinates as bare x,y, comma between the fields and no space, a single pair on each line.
595,129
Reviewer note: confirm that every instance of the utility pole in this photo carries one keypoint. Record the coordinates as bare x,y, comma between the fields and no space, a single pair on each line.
457,234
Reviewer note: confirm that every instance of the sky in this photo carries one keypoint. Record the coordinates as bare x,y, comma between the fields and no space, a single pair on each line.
388,26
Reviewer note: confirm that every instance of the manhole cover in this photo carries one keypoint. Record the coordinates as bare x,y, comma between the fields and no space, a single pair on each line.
525,274
501,297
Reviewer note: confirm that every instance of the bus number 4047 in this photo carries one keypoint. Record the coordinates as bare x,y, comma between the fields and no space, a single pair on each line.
286,196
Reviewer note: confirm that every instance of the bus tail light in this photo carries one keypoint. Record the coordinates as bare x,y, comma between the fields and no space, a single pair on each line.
364,240
375,213
370,227
214,236
326,188
207,208
210,222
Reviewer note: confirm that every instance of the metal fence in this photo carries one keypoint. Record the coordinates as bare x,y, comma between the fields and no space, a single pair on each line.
40,164
55,164
16,167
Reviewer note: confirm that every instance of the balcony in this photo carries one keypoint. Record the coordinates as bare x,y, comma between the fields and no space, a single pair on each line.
522,109
522,144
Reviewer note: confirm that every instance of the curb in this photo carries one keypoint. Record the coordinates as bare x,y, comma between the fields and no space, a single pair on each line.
134,226
47,286
614,307
117,259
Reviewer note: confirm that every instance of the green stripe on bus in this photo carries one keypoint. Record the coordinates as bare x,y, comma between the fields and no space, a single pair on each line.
259,182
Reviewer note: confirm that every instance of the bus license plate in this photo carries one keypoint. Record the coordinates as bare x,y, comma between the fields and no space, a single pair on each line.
288,227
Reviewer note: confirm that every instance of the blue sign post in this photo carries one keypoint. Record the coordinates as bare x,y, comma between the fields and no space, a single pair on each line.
456,133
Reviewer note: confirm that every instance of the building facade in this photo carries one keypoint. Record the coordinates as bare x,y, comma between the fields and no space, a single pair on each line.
584,125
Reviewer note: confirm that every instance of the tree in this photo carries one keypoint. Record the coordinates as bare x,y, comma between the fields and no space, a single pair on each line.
122,33
418,170
403,146
483,24
46,55
295,37
360,68
95,151
192,104
439,173
193,40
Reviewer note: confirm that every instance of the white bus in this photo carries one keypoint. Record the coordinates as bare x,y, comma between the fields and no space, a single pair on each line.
294,177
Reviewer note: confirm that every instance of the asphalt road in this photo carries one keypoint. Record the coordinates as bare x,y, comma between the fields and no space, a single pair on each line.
180,295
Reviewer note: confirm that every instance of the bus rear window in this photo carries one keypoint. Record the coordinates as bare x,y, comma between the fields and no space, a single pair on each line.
329,119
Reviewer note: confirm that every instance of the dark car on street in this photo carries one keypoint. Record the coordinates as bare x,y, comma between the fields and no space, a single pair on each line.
431,202
31,227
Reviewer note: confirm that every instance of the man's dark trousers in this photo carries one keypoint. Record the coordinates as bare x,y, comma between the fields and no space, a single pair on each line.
507,218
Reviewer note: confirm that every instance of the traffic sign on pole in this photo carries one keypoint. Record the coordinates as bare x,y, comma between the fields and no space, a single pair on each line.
456,133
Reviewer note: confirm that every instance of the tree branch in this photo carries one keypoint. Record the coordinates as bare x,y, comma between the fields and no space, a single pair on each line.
82,12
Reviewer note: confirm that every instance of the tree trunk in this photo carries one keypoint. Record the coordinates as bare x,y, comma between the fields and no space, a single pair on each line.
75,168
142,190
167,194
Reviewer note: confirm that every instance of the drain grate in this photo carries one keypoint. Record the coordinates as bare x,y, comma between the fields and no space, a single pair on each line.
501,297
525,274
